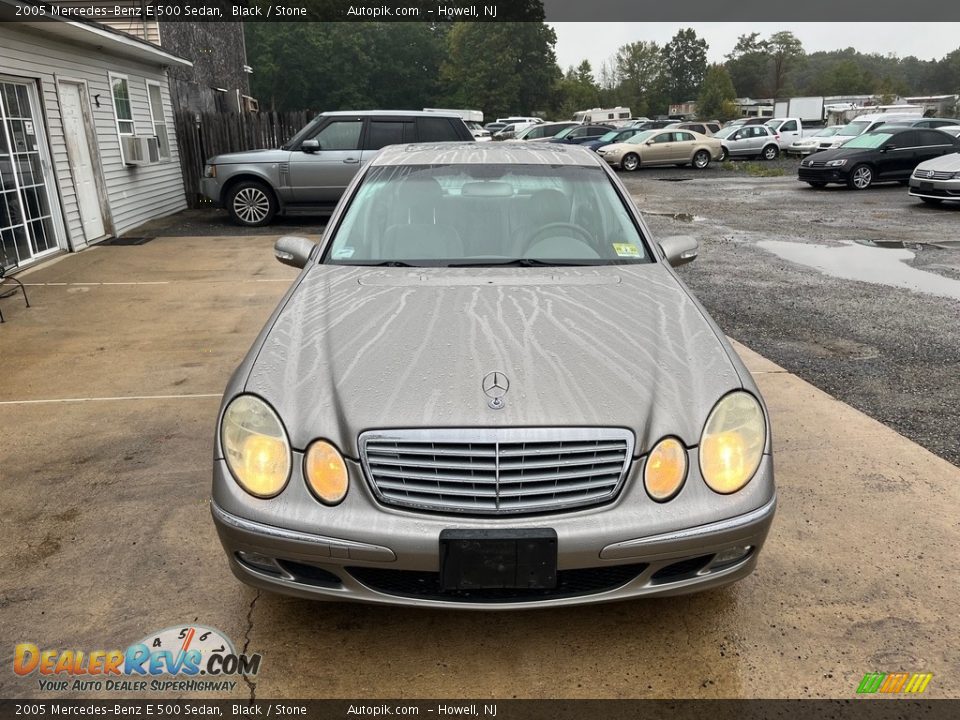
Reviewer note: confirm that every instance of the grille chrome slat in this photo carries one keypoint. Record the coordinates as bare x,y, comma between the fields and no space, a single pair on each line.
496,471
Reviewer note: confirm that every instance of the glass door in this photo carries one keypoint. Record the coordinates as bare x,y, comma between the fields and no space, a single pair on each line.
27,230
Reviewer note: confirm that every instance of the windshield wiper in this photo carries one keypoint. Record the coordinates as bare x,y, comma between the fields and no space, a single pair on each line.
379,263
521,262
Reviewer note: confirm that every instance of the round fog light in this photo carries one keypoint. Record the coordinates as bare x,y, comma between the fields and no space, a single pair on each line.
326,473
666,469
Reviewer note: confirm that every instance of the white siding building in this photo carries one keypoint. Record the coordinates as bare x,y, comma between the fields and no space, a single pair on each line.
87,142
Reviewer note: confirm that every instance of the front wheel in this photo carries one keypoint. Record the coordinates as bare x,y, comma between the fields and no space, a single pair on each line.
770,152
251,204
931,201
701,159
860,178
630,162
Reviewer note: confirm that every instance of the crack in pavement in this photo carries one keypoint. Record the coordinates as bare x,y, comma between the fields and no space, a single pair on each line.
246,643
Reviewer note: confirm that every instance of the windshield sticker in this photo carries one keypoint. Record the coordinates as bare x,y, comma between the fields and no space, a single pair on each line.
626,250
344,253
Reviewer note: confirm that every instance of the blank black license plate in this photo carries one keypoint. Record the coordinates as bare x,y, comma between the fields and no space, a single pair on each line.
485,559
926,186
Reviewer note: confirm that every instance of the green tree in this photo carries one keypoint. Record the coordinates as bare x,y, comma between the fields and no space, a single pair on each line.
574,91
685,64
786,52
716,94
638,70
500,67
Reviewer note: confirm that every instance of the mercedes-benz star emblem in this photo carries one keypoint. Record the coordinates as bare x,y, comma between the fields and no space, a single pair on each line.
495,386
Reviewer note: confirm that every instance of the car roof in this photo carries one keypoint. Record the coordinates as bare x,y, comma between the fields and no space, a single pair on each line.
380,113
474,153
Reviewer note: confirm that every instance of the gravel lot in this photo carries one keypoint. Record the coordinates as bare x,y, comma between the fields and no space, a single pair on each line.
888,351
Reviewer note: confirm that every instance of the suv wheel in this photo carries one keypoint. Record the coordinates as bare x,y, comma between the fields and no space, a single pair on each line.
251,203
770,152
860,178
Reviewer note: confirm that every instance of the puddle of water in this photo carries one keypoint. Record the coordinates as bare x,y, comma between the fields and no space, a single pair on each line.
673,179
878,265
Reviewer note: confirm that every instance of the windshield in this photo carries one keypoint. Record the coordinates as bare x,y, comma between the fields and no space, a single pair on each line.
868,140
472,214
639,137
853,129
611,136
727,131
827,132
566,131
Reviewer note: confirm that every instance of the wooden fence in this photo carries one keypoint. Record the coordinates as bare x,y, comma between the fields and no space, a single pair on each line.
202,135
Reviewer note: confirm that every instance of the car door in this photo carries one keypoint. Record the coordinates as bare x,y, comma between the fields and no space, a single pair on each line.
789,133
740,142
322,175
899,155
683,143
658,149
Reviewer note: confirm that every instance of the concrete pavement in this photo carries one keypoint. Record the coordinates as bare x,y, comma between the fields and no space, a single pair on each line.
108,398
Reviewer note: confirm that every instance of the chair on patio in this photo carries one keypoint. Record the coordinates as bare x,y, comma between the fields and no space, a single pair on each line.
8,263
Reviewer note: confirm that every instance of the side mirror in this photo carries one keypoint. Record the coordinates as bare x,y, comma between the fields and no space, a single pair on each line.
888,148
293,250
680,249
310,146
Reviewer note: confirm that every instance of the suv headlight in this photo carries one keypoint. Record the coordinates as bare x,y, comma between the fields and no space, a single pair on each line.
732,442
836,163
255,446
209,171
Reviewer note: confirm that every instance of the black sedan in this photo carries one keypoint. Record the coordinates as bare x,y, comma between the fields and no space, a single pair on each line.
580,134
611,137
885,154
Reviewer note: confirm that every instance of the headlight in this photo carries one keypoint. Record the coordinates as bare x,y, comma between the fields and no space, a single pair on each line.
210,171
836,163
732,442
255,446
326,472
666,469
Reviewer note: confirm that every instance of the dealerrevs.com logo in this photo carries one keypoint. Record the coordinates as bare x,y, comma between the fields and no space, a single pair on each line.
178,659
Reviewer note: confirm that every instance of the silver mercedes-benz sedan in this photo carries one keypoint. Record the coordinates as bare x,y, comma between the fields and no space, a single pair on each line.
489,389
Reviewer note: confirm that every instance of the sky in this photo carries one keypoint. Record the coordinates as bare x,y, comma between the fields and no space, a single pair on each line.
599,41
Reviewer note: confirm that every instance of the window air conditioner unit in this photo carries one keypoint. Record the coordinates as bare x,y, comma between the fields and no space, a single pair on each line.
140,150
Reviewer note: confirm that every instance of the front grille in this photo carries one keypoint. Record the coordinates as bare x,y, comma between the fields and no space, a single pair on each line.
933,175
816,163
426,585
496,471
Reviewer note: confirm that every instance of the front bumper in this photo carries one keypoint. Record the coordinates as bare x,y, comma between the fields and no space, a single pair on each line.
824,175
366,552
936,189
211,188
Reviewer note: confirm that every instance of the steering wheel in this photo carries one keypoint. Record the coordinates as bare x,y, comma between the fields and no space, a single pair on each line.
537,234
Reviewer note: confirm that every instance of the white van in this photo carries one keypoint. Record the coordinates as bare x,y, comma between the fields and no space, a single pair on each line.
862,124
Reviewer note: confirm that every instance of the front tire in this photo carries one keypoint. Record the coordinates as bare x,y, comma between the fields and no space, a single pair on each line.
701,159
251,204
931,201
630,162
770,152
860,178
816,184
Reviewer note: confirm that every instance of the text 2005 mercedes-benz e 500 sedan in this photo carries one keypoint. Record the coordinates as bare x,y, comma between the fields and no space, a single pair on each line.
488,388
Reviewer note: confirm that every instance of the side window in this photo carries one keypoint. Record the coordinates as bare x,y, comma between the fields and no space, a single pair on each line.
906,139
381,133
695,128
931,137
684,137
790,126
340,135
579,132
663,138
436,130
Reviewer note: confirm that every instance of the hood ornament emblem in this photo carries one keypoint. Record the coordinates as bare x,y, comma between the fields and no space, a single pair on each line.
495,386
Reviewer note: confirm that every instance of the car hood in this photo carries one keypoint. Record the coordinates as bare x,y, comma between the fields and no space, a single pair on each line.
945,163
357,348
251,156
844,152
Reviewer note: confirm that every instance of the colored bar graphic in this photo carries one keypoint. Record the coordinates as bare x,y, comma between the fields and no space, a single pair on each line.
894,683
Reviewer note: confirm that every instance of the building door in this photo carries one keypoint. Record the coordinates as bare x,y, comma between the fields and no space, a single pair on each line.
27,226
76,131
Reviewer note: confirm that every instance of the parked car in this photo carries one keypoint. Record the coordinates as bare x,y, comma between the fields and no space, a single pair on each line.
704,128
310,172
386,439
936,123
650,124
580,134
740,122
888,153
544,131
493,127
937,180
479,133
748,141
810,144
789,129
610,137
951,129
860,125
507,132
662,147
